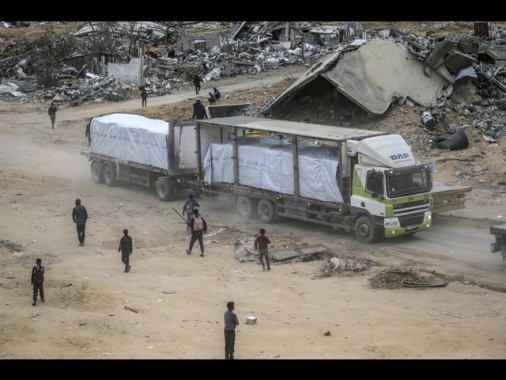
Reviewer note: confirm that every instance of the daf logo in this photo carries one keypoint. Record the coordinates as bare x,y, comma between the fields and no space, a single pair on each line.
399,156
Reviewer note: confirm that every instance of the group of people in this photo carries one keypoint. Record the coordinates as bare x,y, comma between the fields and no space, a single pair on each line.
214,96
198,227
199,110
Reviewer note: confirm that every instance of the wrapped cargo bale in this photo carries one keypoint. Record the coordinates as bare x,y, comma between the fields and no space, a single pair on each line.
267,163
131,138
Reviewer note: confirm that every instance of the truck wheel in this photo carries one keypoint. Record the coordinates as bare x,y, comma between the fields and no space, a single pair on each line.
96,173
245,206
165,189
365,231
109,175
266,211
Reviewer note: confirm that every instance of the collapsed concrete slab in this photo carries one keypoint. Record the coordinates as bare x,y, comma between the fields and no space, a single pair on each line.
372,74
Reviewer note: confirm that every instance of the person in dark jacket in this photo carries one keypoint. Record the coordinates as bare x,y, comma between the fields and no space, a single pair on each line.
216,93
38,283
52,113
126,248
212,98
144,97
199,111
80,216
196,82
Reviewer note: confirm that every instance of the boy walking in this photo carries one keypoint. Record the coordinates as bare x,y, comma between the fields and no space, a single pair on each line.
126,248
262,242
198,226
37,281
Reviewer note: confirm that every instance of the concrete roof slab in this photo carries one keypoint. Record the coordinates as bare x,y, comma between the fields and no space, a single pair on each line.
373,75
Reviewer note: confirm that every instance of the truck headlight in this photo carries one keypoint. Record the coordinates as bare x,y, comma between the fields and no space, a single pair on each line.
391,223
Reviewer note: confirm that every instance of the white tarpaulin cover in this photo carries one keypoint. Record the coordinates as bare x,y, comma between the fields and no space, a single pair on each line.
131,138
267,163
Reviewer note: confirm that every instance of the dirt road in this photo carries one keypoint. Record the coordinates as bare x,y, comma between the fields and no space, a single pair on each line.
171,304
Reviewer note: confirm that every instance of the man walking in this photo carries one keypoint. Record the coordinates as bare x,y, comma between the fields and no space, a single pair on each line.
196,82
37,280
52,113
80,216
231,321
126,249
144,97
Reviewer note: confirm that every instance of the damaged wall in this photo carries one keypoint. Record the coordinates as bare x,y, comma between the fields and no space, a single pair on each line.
127,72
201,42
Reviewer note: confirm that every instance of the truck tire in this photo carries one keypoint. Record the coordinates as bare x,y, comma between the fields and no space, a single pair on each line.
245,206
109,174
365,230
96,173
266,211
165,189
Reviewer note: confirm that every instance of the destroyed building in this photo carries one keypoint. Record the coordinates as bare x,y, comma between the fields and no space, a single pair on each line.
351,70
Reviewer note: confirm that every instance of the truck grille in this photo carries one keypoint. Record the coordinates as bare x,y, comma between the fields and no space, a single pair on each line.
411,213
411,207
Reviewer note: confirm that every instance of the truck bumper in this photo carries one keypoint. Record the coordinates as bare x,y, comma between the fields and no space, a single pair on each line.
393,228
398,231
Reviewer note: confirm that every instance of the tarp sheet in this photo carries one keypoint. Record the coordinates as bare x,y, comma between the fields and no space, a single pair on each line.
267,163
131,138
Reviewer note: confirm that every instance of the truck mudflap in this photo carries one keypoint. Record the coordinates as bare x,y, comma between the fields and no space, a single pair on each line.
500,240
448,197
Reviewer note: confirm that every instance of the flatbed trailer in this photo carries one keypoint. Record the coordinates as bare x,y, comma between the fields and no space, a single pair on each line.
448,197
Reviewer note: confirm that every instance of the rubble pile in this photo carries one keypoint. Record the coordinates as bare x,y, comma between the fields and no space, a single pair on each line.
246,48
167,65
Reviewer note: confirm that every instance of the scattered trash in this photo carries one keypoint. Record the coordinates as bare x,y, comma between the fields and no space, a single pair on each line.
251,320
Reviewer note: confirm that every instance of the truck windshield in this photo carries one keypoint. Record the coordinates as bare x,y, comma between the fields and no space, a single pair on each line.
408,181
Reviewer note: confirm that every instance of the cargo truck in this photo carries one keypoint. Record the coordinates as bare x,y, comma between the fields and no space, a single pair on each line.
351,179
357,180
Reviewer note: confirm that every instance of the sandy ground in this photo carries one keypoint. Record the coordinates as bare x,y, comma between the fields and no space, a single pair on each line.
171,305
